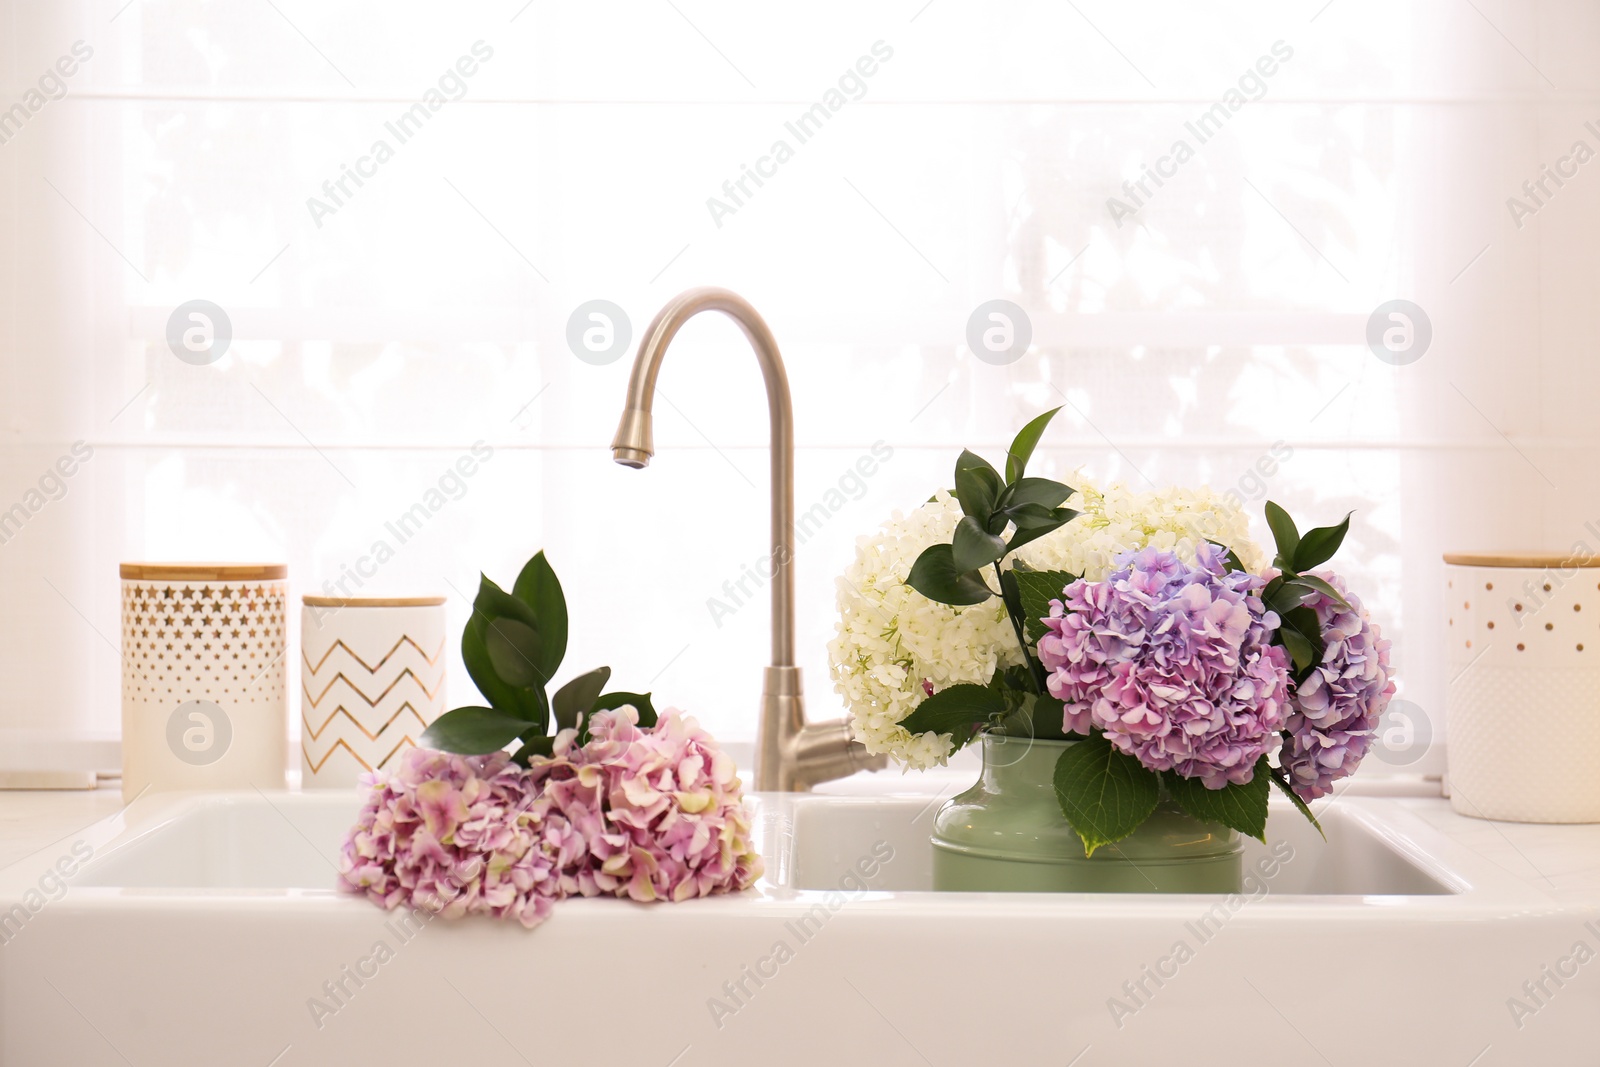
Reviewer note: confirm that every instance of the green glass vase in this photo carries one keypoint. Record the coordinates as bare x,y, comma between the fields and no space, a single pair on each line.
1007,834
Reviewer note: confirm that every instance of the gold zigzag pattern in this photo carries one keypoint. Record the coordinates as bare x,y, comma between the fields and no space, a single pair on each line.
316,767
404,640
316,731
372,701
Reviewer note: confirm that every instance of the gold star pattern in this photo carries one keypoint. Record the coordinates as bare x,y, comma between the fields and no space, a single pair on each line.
250,617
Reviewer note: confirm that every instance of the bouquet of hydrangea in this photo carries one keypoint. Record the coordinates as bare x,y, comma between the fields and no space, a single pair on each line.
616,802
1148,627
894,646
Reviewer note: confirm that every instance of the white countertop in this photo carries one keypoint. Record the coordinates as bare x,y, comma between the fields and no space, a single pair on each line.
34,820
1562,861
1514,899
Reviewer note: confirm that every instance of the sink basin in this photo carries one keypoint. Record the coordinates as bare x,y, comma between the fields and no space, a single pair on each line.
1360,858
204,930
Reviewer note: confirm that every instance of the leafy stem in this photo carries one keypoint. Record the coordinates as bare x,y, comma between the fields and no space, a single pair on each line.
1014,613
512,647
952,572
1029,508
1300,631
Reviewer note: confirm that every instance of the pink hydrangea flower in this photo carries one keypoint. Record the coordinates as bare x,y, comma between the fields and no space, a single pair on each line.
1174,663
653,814
459,835
677,825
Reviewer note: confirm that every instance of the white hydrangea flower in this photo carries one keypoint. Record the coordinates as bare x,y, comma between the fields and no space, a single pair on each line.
891,639
893,646
1115,519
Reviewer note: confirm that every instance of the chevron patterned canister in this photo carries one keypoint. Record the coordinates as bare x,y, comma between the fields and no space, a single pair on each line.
371,680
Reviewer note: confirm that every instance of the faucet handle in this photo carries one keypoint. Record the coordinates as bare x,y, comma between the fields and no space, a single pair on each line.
794,755
824,751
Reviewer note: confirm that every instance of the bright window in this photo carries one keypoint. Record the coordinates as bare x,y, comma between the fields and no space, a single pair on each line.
399,207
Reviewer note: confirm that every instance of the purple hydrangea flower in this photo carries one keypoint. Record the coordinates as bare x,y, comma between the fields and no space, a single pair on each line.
1173,662
1333,714
653,814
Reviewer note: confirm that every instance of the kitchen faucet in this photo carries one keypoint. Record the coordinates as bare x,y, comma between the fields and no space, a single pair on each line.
791,754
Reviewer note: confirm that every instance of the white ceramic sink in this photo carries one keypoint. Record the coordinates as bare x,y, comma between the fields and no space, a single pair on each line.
204,926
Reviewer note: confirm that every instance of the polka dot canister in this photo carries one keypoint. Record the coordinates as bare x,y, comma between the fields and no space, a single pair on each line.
1524,690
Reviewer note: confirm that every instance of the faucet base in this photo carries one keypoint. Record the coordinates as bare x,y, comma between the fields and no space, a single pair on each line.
793,755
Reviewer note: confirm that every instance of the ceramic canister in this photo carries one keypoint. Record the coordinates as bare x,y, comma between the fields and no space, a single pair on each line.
1524,692
372,679
203,693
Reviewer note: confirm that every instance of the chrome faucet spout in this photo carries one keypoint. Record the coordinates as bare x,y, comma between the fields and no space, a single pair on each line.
791,755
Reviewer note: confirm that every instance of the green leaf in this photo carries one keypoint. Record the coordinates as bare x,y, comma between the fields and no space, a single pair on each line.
472,731
1302,623
1037,589
1318,546
1041,491
540,745
1022,537
1011,594
1282,597
527,702
1238,807
1011,681
481,671
538,588
977,485
500,646
1022,447
1028,516
1030,714
973,546
1300,650
936,577
1029,678
510,634
1312,582
492,602
513,652
1281,780
640,702
1104,794
957,711
1283,532
578,696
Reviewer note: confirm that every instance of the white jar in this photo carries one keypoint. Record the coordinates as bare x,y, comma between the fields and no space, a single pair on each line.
1524,693
203,694
371,680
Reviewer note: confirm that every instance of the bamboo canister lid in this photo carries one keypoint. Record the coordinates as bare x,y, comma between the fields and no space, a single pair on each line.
205,572
372,601
1539,560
